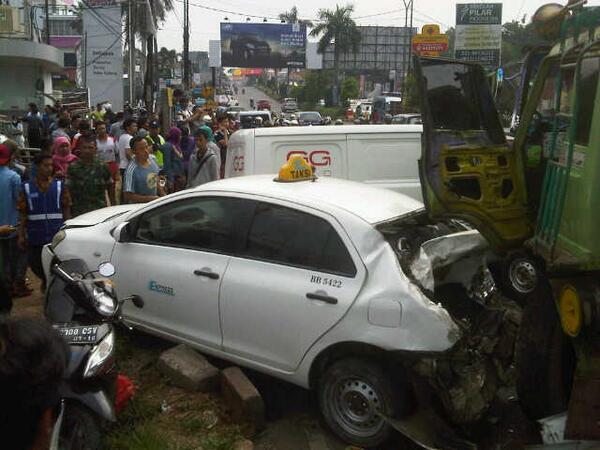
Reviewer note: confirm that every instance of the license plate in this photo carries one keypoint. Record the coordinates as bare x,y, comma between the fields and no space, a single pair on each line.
80,335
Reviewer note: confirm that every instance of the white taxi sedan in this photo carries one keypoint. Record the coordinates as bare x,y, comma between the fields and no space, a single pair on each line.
296,280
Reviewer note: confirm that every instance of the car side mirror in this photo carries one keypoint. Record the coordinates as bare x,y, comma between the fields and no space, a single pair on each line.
137,301
121,232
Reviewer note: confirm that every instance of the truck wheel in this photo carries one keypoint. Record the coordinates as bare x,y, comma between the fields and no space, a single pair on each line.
352,392
517,276
545,357
80,430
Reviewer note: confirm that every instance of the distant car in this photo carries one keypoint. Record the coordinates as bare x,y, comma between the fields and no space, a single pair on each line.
410,119
289,105
263,104
248,46
310,118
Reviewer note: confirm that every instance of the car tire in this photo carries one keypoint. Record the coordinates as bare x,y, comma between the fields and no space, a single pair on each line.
545,357
350,392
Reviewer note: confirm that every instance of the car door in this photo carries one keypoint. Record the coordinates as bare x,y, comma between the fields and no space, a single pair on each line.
467,169
297,277
176,259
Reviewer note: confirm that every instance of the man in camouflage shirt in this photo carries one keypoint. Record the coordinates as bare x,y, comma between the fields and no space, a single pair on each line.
88,178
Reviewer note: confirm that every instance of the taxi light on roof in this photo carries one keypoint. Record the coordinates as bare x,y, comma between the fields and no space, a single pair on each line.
569,305
296,168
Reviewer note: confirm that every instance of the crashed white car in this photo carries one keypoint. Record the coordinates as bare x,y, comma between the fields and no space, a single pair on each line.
322,283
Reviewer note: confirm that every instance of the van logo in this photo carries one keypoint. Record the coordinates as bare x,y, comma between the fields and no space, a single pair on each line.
238,163
317,158
161,288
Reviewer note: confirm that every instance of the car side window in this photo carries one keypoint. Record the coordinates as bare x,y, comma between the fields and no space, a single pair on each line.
216,224
287,236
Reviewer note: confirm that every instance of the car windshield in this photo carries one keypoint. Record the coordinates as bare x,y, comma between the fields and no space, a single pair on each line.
310,116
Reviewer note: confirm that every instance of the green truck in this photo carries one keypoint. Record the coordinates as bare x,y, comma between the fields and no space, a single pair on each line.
536,201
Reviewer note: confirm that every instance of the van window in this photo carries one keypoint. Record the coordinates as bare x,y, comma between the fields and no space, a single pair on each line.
290,237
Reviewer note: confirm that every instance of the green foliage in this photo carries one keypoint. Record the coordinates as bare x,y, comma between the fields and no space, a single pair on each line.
337,26
410,102
142,437
291,16
350,88
317,85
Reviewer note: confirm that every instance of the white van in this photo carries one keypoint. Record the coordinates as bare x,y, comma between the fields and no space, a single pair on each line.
381,155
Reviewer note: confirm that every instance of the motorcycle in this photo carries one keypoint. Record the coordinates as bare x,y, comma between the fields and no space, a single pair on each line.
84,308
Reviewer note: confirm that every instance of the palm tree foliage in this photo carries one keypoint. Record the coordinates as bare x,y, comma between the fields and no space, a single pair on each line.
291,16
336,27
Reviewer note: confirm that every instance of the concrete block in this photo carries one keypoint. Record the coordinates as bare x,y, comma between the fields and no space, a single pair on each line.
188,369
242,397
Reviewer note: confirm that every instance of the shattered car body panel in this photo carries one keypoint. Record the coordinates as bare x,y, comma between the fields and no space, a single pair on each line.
448,262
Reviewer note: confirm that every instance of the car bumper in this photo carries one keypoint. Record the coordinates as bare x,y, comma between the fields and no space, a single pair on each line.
47,256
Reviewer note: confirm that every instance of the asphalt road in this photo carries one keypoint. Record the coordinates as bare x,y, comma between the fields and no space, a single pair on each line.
256,94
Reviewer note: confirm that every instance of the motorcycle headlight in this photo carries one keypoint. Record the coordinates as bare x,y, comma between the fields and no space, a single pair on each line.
57,239
104,303
101,357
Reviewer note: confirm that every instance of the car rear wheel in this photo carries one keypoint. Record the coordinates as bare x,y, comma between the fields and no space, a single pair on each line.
353,393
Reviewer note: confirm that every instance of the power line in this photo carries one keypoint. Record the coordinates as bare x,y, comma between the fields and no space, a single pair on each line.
103,53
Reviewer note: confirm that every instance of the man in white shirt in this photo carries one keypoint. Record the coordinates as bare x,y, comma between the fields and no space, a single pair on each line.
106,151
125,153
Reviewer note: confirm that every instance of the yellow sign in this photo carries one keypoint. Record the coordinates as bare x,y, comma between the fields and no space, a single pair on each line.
295,169
430,42
170,97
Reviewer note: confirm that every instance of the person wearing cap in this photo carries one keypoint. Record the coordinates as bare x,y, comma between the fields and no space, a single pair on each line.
44,205
156,141
10,187
203,166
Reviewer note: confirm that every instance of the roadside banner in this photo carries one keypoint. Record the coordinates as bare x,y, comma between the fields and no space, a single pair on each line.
263,45
478,35
430,42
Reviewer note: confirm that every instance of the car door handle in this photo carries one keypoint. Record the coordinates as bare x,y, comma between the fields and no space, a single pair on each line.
322,298
207,274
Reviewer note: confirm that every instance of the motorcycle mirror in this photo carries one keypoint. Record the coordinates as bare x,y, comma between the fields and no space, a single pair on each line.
106,269
137,301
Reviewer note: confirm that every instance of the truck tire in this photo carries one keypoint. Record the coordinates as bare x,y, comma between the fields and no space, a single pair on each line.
544,355
351,392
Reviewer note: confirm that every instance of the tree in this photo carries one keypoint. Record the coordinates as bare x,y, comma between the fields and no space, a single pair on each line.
166,62
291,16
338,28
350,88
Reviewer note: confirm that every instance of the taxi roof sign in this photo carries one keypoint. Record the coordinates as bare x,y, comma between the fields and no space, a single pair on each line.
296,168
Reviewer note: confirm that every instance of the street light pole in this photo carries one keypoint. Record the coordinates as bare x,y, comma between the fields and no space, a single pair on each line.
131,72
186,44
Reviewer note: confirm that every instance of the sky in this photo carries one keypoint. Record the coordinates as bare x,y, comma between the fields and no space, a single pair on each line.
205,22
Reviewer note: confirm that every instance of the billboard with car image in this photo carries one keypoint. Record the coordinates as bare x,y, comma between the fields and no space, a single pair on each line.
263,45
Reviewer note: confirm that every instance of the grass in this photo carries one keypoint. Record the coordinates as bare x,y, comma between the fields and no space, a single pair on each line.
161,416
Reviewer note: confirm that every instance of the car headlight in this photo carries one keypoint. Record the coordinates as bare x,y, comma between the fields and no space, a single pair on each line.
104,303
101,357
57,239
571,315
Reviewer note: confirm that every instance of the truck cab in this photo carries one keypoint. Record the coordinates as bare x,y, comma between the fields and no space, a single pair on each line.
536,199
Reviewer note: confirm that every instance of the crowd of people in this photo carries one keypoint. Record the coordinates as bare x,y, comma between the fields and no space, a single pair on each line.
89,162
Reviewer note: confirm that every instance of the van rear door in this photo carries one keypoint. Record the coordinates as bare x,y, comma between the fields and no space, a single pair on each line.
240,154
387,160
467,169
326,152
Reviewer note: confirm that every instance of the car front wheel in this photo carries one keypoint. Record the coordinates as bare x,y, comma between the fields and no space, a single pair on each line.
353,393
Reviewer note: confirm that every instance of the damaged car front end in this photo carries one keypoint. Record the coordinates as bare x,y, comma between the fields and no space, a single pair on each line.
449,261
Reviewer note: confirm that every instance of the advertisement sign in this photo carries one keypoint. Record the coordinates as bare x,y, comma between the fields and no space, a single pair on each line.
263,45
101,57
478,35
430,42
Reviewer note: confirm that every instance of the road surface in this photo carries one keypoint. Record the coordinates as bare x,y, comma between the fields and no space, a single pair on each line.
256,95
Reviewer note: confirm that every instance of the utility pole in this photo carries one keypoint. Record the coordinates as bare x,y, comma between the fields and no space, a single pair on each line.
131,73
47,7
407,50
186,44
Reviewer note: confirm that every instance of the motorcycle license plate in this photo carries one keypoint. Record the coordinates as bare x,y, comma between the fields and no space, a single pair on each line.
80,335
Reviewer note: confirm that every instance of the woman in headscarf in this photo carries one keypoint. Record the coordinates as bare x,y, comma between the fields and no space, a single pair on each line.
173,160
62,157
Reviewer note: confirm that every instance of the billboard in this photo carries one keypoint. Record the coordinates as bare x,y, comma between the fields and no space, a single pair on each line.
263,45
430,42
478,35
101,56
384,48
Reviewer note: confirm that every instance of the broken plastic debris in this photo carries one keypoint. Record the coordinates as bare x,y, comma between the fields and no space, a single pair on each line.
164,406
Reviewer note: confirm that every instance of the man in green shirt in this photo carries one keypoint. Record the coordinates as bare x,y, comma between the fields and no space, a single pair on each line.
88,179
156,141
